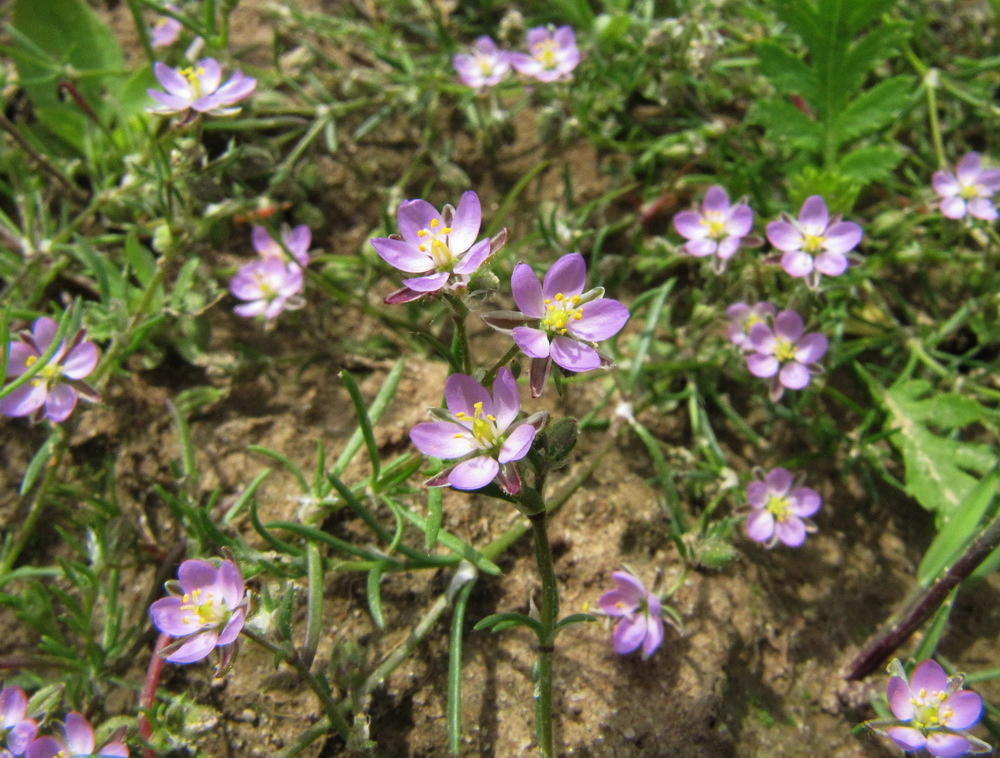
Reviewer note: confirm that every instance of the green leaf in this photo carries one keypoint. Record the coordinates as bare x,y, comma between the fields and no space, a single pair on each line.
500,621
140,260
375,596
870,164
937,466
874,109
576,618
802,18
880,44
785,123
860,13
454,544
787,72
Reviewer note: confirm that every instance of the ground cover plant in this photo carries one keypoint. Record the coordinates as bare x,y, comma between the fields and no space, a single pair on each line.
428,378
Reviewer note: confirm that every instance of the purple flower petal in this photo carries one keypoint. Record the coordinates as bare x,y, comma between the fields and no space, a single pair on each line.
298,241
465,225
779,481
729,247
788,324
44,333
534,342
414,215
929,676
811,347
17,358
794,376
169,104
21,736
701,248
945,184
619,602
968,168
516,446
43,747
81,360
760,526
899,699
947,745
506,401
402,255
25,400
239,87
474,258
689,224
474,473
966,709
113,750
797,263
741,221
209,74
196,574
953,207
804,502
629,634
168,617
982,207
196,648
79,734
990,180
831,264
230,582
791,531
233,628
602,318
758,493
429,283
462,392
13,707
564,37
60,402
762,366
784,236
568,275
814,217
437,438
716,200
842,237
654,630
172,81
574,356
527,291
249,310
906,738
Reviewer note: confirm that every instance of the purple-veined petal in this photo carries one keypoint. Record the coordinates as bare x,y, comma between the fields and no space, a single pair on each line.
968,168
79,734
196,648
533,342
429,283
760,526
701,248
619,602
654,632
60,402
13,706
437,438
631,585
929,676
414,215
953,207
784,236
899,699
788,324
527,291
629,634
574,356
44,333
402,255
842,237
797,263
172,81
982,207
811,347
462,392
740,221
794,376
21,736
601,319
81,360
233,628
690,225
779,481
791,531
966,709
196,574
831,264
567,276
814,217
474,258
209,74
25,400
762,365
230,582
947,745
945,184
758,493
465,225
43,747
506,400
474,473
716,200
804,501
168,617
516,446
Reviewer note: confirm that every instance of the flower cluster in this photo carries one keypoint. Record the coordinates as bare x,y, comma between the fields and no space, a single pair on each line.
478,429
932,712
52,392
779,510
559,322
441,247
206,609
784,354
969,191
552,55
199,89
718,228
814,244
639,612
272,283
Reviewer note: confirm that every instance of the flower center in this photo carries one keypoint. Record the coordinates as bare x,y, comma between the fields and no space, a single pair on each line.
267,290
49,374
545,52
813,242
561,311
483,425
434,240
927,711
778,507
970,191
716,225
210,610
193,75
784,350
485,65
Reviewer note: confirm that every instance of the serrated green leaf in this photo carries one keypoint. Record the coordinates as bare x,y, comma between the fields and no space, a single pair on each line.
860,13
873,109
937,467
785,123
801,18
789,73
870,164
880,44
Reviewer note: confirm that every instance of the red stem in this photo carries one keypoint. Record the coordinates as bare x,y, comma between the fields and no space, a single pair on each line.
149,691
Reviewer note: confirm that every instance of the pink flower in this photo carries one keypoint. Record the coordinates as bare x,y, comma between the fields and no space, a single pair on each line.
206,609
53,391
197,89
16,729
640,621
552,54
815,244
270,285
165,29
743,317
297,241
78,742
968,190
779,512
784,354
717,229
484,66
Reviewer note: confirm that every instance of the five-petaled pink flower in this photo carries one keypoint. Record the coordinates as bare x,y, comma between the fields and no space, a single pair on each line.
270,286
784,354
52,392
196,89
478,428
206,609
166,29
78,741
743,317
484,66
968,190
441,247
552,54
16,729
558,321
716,229
933,711
297,240
640,614
779,510
814,244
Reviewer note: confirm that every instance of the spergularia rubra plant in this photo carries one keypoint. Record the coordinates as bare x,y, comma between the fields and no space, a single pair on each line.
206,610
78,741
269,286
165,30
297,240
784,354
969,191
639,614
485,65
53,391
199,89
743,317
552,54
814,244
779,510
479,430
717,228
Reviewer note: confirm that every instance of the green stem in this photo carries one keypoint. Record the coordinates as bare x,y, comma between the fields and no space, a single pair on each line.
507,357
459,313
931,84
549,614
